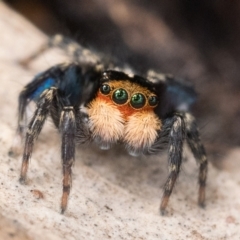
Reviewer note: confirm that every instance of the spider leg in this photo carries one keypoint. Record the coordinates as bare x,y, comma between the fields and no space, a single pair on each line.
197,148
21,124
72,48
176,138
35,127
23,102
68,131
31,92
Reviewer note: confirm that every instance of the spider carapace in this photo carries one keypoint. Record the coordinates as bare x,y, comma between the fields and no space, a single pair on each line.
88,103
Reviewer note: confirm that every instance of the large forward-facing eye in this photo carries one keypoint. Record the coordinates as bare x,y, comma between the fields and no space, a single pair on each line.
153,101
120,96
105,89
138,100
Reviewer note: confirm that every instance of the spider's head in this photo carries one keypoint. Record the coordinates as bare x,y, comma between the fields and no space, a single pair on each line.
123,110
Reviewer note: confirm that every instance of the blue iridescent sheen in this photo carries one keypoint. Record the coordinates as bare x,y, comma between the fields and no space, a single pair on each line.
49,82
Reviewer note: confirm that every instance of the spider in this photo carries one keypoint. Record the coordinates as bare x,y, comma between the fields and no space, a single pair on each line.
91,100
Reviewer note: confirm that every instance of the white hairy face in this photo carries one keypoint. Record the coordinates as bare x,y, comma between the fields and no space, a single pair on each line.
122,112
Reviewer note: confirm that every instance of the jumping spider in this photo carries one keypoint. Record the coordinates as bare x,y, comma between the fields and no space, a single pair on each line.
90,99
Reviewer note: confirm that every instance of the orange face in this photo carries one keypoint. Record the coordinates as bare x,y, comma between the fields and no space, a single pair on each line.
123,111
128,97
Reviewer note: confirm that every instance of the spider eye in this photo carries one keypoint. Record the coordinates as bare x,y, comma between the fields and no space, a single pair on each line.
153,100
120,96
105,89
138,100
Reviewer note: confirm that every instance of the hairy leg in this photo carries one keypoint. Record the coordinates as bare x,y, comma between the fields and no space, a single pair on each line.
72,49
199,153
34,128
176,138
68,131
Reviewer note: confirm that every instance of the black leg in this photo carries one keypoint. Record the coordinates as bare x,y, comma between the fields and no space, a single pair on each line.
72,48
68,131
21,124
176,138
34,128
31,92
22,104
199,153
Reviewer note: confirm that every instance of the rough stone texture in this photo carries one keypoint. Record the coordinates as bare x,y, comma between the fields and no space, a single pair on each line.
114,196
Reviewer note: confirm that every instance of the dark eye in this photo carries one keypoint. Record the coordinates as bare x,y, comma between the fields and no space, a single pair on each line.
105,89
120,96
138,100
153,100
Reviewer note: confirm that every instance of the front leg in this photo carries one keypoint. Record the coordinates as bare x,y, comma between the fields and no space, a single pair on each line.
35,127
31,92
199,153
176,138
68,131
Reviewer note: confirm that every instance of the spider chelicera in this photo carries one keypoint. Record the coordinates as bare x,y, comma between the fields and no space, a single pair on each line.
92,100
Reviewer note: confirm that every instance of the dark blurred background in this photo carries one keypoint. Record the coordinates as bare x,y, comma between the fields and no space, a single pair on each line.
198,40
